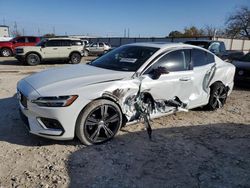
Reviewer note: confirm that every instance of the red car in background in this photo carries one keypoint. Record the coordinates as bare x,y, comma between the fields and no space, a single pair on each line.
7,48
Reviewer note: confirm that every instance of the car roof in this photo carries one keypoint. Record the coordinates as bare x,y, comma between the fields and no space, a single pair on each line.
202,41
63,38
162,45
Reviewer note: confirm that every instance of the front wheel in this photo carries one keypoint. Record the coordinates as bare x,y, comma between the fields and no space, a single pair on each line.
33,59
6,52
99,122
218,96
75,58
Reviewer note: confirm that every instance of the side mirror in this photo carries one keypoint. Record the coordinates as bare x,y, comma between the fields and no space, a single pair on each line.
43,45
156,73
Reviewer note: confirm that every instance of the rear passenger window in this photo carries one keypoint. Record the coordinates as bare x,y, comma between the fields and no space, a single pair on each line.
178,60
20,40
65,42
101,45
76,43
200,58
210,58
53,43
32,39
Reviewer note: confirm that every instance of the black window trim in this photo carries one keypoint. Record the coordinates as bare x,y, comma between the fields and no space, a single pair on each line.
205,51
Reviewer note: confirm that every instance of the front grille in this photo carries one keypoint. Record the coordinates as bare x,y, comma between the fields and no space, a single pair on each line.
23,100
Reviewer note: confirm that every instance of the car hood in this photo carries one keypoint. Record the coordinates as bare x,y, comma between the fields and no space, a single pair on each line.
3,43
241,64
72,77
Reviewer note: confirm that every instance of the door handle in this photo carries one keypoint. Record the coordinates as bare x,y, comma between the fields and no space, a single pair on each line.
54,48
184,79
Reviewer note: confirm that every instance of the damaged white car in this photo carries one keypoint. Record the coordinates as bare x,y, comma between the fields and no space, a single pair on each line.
93,101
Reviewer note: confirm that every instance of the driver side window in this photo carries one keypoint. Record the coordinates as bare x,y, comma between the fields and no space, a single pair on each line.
178,60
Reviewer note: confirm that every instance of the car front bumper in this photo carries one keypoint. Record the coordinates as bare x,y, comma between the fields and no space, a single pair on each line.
20,58
50,122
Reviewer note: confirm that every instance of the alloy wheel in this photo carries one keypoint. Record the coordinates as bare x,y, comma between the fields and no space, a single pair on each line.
219,97
102,123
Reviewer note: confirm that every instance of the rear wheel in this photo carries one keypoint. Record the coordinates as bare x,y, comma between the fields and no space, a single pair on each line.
6,52
33,59
75,58
218,96
99,122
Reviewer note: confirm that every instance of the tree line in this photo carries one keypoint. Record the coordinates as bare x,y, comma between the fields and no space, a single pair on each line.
237,25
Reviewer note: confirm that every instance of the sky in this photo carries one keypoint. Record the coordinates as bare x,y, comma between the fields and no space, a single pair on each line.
144,18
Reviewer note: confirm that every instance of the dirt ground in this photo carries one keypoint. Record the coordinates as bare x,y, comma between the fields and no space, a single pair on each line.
194,149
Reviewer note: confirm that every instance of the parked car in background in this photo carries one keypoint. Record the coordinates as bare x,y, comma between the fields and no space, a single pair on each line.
242,74
92,101
7,48
70,49
98,48
218,48
85,45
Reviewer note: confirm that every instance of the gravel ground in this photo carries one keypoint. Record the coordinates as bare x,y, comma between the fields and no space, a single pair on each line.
194,149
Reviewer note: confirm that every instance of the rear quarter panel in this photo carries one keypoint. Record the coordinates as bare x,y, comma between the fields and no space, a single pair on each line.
224,73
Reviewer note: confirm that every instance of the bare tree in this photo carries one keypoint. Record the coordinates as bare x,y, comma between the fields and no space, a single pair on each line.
238,24
209,30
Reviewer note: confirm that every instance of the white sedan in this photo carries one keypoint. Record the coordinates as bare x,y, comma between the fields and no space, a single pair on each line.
94,100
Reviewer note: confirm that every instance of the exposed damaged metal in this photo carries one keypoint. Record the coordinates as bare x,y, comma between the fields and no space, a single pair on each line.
141,105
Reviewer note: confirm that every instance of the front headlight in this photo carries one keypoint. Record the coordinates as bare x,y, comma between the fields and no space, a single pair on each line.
61,101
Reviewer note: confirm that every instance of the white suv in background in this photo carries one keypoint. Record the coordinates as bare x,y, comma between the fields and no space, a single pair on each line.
98,48
69,49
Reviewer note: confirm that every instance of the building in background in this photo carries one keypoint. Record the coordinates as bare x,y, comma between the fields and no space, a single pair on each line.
4,33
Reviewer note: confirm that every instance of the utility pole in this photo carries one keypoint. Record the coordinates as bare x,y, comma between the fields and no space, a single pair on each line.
23,31
15,27
38,31
3,20
125,32
128,32
54,30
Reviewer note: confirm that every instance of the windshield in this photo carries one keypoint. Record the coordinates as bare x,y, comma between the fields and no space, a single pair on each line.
125,58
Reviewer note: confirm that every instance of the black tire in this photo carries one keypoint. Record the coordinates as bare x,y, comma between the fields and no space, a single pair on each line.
33,59
218,96
75,58
6,52
99,122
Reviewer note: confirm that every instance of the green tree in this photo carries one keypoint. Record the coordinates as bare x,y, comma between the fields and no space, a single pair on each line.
193,32
175,34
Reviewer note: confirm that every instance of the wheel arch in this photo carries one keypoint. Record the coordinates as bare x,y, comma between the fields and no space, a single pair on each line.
219,81
33,52
124,118
7,47
74,52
